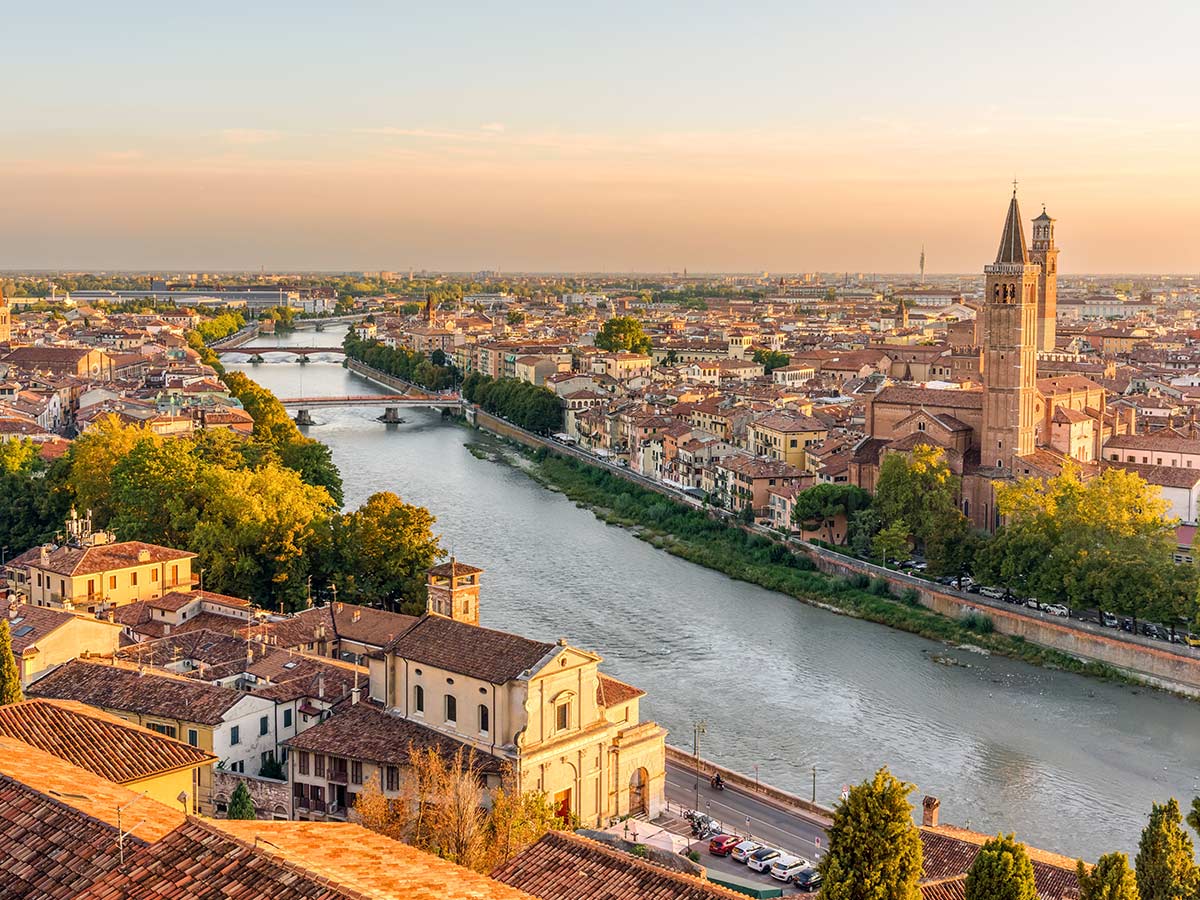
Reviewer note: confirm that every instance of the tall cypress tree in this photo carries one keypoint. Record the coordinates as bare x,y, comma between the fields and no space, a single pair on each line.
1165,864
1001,871
1110,879
10,678
874,848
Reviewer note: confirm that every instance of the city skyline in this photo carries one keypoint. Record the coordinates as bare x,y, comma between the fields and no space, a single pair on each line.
552,140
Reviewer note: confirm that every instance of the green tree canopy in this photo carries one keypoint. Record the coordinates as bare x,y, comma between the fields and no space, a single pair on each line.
241,806
919,490
818,507
1001,871
874,847
1165,863
622,333
385,548
1109,879
771,360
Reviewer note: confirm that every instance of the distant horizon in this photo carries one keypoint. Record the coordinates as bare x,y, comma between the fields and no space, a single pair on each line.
633,138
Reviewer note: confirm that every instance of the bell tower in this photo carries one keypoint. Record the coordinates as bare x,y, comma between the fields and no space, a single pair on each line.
1045,254
1009,348
5,320
453,591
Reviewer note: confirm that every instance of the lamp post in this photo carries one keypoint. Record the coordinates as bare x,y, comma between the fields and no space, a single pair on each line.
814,794
697,730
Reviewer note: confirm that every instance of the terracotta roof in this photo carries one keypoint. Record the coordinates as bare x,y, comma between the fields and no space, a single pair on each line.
1064,415
610,692
789,423
1163,476
90,560
94,740
198,860
949,852
51,851
362,624
495,656
83,790
363,731
1165,439
931,397
115,687
31,623
376,866
563,866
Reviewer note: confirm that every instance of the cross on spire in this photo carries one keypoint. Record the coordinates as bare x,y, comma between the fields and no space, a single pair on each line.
1014,186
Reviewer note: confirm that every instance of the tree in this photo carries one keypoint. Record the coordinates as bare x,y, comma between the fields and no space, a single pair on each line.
874,848
919,489
771,360
241,806
622,333
818,507
10,677
94,456
385,547
379,813
1165,863
892,542
1109,879
516,820
1001,871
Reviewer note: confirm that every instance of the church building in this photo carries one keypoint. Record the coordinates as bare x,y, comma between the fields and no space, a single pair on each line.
1015,424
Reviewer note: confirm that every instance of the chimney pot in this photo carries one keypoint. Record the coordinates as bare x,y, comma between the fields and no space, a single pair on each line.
929,811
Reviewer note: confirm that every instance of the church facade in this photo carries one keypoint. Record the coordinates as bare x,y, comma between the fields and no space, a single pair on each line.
1014,424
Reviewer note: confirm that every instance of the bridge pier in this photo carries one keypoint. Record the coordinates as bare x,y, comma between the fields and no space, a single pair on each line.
304,417
257,358
391,416
303,358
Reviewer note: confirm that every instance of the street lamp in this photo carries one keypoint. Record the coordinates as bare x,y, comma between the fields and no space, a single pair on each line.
697,730
814,792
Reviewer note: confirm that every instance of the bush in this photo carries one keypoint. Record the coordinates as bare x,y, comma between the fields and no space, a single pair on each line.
880,587
859,581
693,855
977,622
911,596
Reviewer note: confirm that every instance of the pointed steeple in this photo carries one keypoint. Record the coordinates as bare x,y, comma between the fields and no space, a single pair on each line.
1012,241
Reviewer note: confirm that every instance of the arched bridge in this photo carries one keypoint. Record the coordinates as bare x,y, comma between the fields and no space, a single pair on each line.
434,400
255,350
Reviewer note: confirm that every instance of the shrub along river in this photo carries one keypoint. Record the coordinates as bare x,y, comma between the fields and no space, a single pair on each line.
1069,763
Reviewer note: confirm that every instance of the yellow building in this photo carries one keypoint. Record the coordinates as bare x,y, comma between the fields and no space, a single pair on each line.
142,760
544,711
90,574
44,638
783,436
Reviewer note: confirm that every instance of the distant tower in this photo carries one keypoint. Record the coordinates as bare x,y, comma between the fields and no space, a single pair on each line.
1044,253
1009,348
5,319
453,591
922,264
430,316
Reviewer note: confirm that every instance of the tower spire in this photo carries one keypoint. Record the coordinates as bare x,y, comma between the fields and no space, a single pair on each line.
1012,239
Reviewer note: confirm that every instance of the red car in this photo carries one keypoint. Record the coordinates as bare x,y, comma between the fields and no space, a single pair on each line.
723,844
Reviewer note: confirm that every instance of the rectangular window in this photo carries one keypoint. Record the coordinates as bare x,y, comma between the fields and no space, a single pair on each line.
264,725
235,735
193,737
392,782
302,762
451,709
112,582
356,772
174,575
133,579
168,730
154,574
287,718
562,716
319,765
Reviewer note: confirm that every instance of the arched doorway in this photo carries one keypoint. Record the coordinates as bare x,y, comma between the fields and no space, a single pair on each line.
639,793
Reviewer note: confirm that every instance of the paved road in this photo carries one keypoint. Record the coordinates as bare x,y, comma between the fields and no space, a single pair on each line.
791,831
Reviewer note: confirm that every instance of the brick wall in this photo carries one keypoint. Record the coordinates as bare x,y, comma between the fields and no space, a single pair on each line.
272,799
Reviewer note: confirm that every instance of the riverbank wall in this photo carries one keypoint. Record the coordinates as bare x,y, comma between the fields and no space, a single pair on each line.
243,335
383,379
1169,667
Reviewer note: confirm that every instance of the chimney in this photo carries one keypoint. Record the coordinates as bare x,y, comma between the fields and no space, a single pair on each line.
355,695
337,606
44,554
143,556
320,685
929,811
356,616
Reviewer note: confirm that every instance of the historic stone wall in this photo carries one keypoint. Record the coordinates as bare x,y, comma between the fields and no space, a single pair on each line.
272,799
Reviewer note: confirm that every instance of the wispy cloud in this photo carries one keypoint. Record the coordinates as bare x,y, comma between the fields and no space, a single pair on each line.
249,136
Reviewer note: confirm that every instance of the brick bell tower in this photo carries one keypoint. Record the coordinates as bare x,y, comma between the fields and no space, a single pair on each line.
453,591
1009,348
1045,254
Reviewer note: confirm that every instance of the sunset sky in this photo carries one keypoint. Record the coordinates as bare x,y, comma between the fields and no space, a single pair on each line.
644,136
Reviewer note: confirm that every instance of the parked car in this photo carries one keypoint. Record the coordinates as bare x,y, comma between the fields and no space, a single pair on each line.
742,851
1151,630
1108,620
1032,603
1057,609
785,868
723,844
807,880
1127,625
761,860
1192,640
994,592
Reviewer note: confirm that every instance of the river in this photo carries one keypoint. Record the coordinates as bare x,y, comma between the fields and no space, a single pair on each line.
1069,763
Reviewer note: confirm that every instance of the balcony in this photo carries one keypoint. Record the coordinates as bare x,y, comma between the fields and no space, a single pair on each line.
338,776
